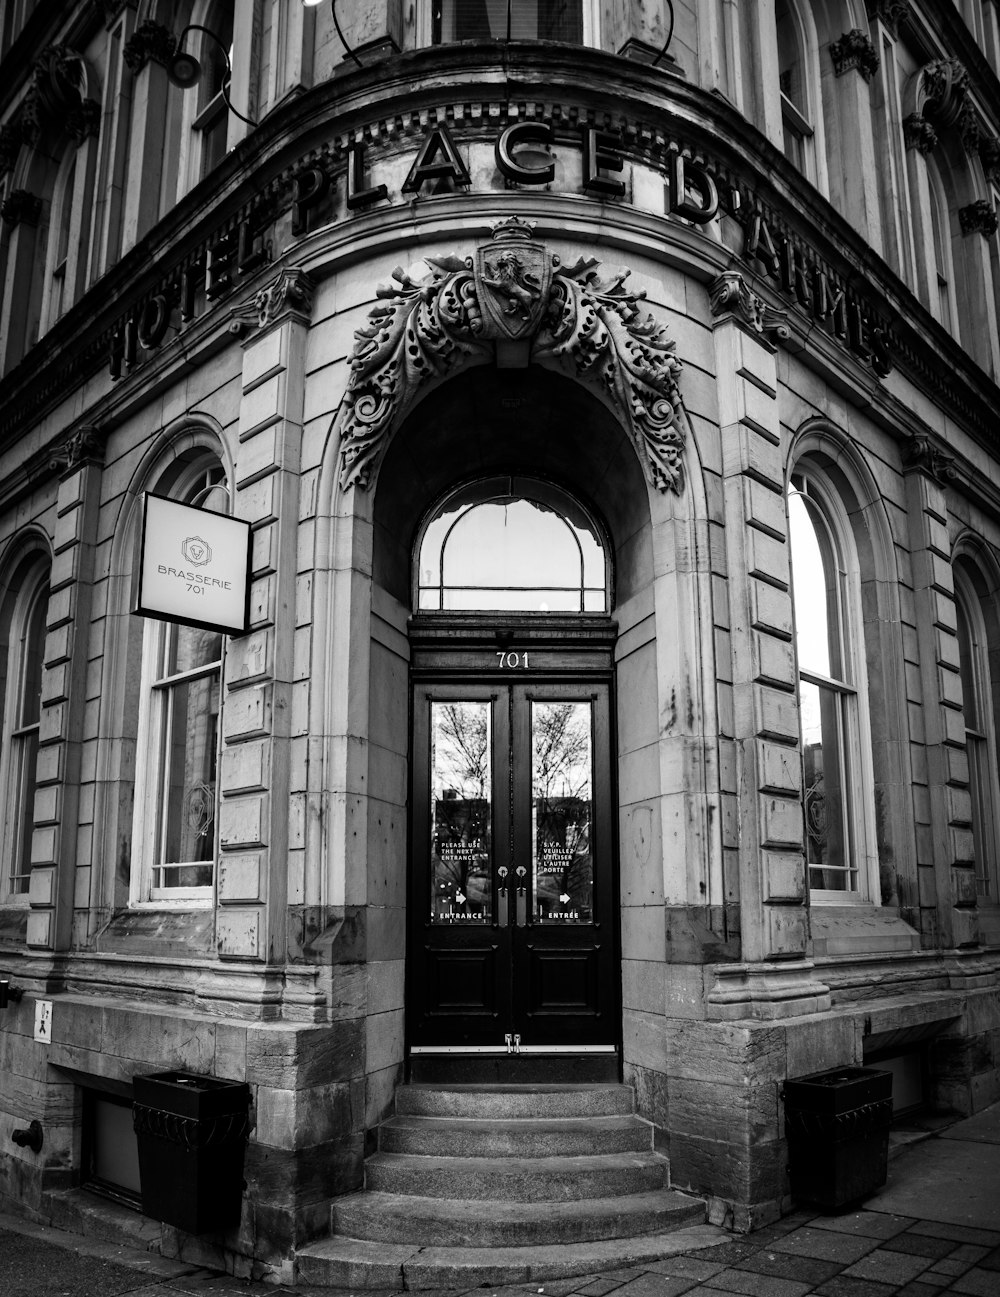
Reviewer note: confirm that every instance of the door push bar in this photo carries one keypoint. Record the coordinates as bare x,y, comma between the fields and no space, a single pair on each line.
520,897
521,913
513,1043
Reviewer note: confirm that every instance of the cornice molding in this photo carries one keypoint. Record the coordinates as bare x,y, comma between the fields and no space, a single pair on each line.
514,302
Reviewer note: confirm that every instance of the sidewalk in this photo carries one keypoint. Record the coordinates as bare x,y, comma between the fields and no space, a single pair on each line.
934,1228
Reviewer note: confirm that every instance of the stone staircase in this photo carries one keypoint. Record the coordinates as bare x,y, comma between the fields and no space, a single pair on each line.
476,1185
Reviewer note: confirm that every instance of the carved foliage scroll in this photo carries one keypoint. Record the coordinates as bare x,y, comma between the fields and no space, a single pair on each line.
590,327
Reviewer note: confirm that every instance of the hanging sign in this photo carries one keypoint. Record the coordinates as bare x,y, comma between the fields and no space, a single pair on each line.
194,566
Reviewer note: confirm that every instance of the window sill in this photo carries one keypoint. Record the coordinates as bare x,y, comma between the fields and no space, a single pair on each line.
859,929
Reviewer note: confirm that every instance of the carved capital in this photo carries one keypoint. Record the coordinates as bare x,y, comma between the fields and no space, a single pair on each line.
978,216
729,295
889,12
21,207
969,128
10,145
919,134
84,446
513,293
56,79
150,40
854,50
292,290
921,455
989,153
943,90
83,121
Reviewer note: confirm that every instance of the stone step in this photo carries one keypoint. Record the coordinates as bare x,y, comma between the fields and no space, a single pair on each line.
515,1179
353,1263
502,1101
445,1222
515,1136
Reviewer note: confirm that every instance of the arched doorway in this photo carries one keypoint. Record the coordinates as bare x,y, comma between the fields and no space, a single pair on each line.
511,519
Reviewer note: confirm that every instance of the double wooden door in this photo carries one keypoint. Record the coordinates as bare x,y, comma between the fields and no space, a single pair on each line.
512,904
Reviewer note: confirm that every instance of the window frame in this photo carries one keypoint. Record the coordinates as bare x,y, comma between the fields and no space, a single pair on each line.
984,766
849,688
590,16
28,594
194,485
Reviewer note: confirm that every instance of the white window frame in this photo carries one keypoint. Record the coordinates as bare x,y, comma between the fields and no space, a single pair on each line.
152,739
19,735
980,740
806,126
857,769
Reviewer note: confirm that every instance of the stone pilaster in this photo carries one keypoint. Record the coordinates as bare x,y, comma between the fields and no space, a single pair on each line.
65,727
772,877
943,807
259,669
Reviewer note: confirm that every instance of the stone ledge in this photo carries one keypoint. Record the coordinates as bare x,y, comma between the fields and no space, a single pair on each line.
859,930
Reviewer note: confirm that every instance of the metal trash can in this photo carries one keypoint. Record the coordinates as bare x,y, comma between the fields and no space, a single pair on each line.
837,1125
191,1133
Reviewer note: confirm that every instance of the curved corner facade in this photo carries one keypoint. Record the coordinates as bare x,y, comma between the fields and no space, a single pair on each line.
615,420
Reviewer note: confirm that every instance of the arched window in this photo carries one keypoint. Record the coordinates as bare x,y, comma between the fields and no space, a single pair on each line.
58,290
178,736
980,724
795,84
836,743
22,652
513,545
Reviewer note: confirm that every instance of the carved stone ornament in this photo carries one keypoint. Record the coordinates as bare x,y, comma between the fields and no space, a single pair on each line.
978,216
83,121
10,145
919,134
921,455
150,40
969,128
291,290
84,446
21,206
890,12
943,90
729,295
56,79
854,50
989,153
470,307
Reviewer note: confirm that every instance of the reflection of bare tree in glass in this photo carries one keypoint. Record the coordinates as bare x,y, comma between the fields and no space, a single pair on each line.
561,788
462,806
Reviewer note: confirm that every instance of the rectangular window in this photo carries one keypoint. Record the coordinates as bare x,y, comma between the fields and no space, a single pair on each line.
22,710
518,20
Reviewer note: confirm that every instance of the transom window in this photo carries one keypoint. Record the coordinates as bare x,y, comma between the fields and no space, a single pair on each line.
512,545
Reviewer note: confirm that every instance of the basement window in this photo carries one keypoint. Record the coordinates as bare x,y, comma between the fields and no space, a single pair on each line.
110,1154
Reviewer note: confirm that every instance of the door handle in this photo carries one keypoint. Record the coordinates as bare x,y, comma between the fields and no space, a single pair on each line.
502,907
521,911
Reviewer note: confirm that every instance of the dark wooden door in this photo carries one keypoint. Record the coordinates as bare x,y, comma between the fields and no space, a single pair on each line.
512,906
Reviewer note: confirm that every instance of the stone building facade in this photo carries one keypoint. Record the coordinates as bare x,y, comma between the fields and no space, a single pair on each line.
704,295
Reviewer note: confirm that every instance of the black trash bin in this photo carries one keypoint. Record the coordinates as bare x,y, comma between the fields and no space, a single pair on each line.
837,1125
191,1133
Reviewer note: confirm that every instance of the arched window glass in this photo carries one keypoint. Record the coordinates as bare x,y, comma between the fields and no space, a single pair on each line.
825,592
59,235
514,545
178,739
793,82
24,651
980,728
519,20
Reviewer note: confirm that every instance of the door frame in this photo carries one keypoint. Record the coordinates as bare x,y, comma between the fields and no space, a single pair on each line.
456,650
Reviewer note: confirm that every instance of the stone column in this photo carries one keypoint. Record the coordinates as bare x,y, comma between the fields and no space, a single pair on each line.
942,806
259,668
847,67
774,978
65,726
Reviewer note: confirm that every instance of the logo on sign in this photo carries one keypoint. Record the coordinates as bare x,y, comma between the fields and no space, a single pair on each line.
196,551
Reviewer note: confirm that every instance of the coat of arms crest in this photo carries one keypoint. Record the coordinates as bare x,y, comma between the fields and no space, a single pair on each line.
513,275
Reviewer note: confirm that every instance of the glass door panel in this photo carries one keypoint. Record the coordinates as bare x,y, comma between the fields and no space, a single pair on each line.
461,812
561,809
